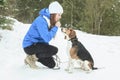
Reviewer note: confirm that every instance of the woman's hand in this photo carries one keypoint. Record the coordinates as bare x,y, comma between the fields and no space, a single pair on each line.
58,24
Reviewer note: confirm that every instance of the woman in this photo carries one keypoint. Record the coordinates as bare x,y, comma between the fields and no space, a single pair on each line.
42,30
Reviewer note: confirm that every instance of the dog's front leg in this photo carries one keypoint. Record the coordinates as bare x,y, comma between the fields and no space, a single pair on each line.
70,65
69,57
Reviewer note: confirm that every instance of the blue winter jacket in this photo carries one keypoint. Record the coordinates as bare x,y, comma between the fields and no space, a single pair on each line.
39,31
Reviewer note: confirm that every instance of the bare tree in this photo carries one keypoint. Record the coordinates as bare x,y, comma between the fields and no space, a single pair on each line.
94,11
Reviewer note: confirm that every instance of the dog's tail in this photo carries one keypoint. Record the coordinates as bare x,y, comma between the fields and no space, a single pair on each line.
94,68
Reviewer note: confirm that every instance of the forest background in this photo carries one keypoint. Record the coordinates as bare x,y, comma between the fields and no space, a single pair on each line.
101,17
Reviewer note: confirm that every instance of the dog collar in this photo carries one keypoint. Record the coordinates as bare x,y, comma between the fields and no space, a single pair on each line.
73,39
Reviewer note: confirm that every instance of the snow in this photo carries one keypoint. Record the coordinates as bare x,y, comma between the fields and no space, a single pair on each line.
104,50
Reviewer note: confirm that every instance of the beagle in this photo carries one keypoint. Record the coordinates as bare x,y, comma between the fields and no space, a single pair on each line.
77,52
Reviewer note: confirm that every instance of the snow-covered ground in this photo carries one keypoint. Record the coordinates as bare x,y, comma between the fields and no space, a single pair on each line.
104,49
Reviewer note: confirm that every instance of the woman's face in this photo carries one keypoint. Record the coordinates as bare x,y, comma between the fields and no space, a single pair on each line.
58,17
54,18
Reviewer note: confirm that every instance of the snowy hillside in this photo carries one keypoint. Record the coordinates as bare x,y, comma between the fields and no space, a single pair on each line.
104,49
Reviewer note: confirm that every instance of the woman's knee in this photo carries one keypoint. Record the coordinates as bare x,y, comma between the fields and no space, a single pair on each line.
55,50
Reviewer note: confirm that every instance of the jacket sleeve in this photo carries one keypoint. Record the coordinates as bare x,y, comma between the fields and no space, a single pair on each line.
43,31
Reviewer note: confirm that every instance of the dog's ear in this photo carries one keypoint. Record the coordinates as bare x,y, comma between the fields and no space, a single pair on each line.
72,33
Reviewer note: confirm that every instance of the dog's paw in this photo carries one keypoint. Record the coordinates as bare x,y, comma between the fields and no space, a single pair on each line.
66,69
69,71
89,71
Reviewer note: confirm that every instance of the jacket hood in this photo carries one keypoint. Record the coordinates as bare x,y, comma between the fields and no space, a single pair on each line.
44,12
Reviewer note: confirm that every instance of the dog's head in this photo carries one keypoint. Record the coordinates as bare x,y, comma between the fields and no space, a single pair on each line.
69,33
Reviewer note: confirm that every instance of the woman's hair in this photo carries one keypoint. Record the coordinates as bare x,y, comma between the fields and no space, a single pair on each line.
52,20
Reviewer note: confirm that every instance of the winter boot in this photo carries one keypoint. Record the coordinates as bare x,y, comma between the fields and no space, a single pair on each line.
30,60
34,57
57,62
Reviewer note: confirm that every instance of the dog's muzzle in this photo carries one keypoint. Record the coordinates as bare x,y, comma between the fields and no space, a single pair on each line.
63,30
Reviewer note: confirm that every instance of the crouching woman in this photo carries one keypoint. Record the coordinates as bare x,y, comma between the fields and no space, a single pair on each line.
42,30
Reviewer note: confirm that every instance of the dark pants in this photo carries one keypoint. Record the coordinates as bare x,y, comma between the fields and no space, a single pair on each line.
44,53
